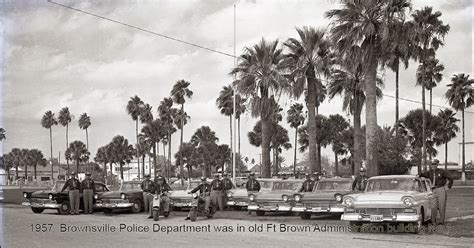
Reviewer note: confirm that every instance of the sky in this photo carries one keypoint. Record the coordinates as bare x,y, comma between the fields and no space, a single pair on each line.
54,57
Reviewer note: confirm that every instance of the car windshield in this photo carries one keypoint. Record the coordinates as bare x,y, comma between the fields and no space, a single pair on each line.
285,186
393,184
333,186
131,186
266,184
58,186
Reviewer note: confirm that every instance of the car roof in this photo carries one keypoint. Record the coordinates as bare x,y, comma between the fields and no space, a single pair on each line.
335,180
394,176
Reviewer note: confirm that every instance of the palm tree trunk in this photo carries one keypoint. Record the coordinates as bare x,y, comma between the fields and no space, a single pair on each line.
423,134
371,115
446,156
7,168
105,171
51,146
319,155
26,172
154,159
165,163
238,135
296,148
67,144
121,171
357,161
136,144
463,144
16,172
169,156
336,164
34,170
77,166
143,165
158,156
149,164
181,143
431,100
266,147
397,113
312,128
231,143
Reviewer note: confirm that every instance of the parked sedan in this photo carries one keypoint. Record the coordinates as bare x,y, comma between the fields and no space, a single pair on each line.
179,197
54,199
326,197
128,197
277,199
239,197
391,199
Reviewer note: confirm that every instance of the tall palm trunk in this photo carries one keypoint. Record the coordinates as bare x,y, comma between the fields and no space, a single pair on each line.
371,115
312,128
169,155
446,156
181,144
149,164
51,146
34,170
431,100
296,148
154,158
26,172
319,155
266,136
423,135
143,165
8,175
238,135
397,113
67,144
136,144
463,144
165,163
77,166
336,163
357,157
231,143
16,172
105,171
121,171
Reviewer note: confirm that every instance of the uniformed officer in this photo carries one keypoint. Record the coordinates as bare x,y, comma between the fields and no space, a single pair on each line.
204,193
360,181
252,185
308,184
161,188
226,185
88,188
216,192
74,186
148,187
440,181
315,177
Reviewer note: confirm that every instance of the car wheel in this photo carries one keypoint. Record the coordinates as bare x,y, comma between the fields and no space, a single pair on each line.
260,213
156,215
64,208
193,215
305,216
37,210
137,207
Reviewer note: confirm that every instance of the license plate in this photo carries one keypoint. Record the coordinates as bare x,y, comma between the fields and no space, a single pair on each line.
376,218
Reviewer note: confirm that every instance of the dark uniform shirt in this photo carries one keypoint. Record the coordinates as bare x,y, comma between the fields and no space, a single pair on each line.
161,188
307,186
441,177
359,183
72,184
148,186
216,184
227,184
252,185
203,188
88,184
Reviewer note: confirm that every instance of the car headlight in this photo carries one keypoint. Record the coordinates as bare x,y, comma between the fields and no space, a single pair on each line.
96,196
284,198
297,198
195,195
407,201
229,194
348,201
122,196
25,195
252,197
338,197
50,196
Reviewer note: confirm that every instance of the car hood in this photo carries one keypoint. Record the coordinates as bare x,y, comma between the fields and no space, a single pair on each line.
117,194
181,194
321,195
43,193
274,194
239,193
385,196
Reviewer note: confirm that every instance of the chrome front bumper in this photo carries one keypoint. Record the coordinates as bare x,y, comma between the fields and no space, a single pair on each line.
114,205
237,203
400,217
273,208
48,205
330,209
182,204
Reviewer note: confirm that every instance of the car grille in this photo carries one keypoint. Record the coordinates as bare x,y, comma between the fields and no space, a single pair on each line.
380,211
113,200
40,200
320,204
177,200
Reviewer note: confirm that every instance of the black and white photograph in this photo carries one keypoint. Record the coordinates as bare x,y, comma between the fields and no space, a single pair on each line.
236,123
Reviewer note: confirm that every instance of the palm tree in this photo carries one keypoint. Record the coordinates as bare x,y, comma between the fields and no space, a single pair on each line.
429,74
2,134
240,110
167,115
295,118
25,160
152,133
367,23
77,152
84,123
146,115
428,33
348,80
101,157
48,121
134,108
121,151
447,131
64,119
225,103
461,96
260,78
308,59
179,93
36,158
338,125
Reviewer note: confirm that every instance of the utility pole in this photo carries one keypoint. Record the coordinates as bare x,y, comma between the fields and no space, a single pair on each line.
234,157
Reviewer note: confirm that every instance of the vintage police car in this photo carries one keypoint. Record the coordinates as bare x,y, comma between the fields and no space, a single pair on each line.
53,199
391,199
326,197
239,197
128,197
277,199
179,197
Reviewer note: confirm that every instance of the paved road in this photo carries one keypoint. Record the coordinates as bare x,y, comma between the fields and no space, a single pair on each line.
19,230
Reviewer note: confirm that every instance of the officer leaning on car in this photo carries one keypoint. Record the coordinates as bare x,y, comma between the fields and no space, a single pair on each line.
360,181
252,185
148,187
440,181
161,188
308,184
74,186
204,189
88,187
216,192
226,186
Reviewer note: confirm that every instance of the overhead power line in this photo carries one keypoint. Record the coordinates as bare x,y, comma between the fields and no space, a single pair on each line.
200,46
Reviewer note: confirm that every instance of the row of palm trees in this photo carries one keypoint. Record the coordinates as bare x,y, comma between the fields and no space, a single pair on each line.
364,37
